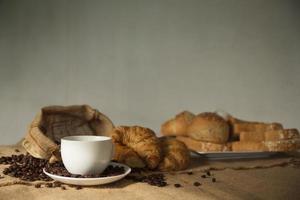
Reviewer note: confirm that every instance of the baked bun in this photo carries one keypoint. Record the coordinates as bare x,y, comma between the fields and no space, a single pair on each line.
176,155
142,140
209,127
178,125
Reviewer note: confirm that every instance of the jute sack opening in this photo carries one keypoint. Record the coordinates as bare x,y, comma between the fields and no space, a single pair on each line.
54,122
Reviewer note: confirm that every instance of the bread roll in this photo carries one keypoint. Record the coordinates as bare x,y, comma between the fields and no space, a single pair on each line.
177,125
209,127
200,146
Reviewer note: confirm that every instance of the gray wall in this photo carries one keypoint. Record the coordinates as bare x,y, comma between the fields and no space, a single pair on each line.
141,62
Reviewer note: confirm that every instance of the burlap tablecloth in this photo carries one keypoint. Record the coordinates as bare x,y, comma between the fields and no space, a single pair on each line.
275,178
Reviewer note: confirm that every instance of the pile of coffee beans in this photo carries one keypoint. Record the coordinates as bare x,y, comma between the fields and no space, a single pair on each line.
25,167
29,168
59,169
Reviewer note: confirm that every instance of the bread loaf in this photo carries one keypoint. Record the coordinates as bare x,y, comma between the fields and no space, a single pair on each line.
281,134
277,146
283,145
272,135
178,125
252,136
255,127
209,127
248,146
201,146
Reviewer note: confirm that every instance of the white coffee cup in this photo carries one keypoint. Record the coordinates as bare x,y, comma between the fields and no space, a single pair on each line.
86,155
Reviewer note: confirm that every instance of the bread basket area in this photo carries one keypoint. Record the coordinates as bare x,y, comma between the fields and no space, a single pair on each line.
222,132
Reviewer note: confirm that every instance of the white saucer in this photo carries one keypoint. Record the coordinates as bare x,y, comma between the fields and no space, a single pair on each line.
90,181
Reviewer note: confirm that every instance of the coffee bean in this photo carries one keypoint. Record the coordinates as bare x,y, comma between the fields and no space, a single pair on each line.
56,184
162,184
190,173
49,185
203,176
208,173
197,184
213,179
78,187
136,170
63,187
37,185
17,150
177,185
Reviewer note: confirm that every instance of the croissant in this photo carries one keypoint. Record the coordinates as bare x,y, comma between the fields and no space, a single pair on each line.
142,140
176,155
178,125
126,155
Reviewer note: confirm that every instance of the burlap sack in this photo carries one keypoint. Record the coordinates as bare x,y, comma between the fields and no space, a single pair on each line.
55,122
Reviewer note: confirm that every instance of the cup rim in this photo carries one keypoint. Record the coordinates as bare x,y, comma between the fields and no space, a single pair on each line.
85,138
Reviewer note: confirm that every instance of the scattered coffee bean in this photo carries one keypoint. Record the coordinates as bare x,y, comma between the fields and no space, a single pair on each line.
17,150
208,173
190,173
197,184
177,185
49,185
213,179
78,187
63,187
203,176
152,179
37,185
56,184
155,180
162,184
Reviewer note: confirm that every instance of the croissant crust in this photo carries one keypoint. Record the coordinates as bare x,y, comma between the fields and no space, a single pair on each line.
176,155
128,156
141,140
